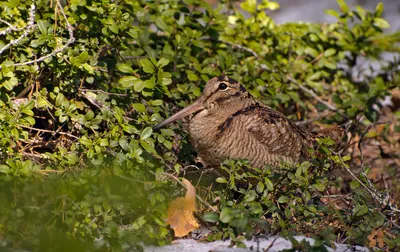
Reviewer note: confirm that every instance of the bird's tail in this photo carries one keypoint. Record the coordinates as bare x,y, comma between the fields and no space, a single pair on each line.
336,133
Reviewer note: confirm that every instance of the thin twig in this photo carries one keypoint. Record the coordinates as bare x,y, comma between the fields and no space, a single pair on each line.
10,28
70,40
33,155
310,92
94,102
315,96
270,245
31,21
49,171
48,131
385,200
335,196
362,137
100,105
101,91
27,30
233,45
316,59
373,194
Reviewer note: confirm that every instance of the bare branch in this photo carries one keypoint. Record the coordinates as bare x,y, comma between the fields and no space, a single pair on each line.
271,244
48,131
310,92
98,104
30,27
27,29
362,137
10,28
383,200
101,92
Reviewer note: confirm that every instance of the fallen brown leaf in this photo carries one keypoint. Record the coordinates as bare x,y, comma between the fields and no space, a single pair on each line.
180,212
376,238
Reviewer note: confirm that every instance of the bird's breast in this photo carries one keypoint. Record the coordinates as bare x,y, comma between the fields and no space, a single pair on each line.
203,129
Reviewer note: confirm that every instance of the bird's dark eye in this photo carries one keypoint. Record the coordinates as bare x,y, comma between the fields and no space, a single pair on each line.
222,86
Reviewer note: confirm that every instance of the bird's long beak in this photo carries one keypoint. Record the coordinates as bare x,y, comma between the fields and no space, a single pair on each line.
196,106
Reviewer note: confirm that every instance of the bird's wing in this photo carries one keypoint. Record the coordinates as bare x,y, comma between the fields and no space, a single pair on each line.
271,129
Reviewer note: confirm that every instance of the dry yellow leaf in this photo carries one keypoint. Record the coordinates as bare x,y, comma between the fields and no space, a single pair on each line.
180,212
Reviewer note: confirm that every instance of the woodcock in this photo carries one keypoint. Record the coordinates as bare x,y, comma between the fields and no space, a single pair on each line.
228,122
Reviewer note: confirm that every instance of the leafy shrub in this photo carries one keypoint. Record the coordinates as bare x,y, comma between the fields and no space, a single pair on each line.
107,71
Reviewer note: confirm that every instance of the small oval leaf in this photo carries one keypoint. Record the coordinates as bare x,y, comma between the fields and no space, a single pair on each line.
146,133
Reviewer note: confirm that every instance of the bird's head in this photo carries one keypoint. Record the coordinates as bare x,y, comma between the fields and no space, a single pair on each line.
221,94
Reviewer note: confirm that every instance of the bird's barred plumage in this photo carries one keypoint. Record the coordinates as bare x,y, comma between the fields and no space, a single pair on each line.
229,123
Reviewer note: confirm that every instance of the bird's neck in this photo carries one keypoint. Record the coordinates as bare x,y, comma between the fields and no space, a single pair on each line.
243,103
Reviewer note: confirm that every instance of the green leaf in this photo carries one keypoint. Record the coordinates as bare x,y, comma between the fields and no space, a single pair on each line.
4,168
249,197
103,142
139,85
83,57
226,215
192,76
249,6
42,25
88,68
162,25
332,13
124,144
27,112
138,223
119,114
211,217
146,133
360,210
72,158
139,107
221,180
354,184
343,6
379,9
260,187
269,184
60,99
11,83
266,4
149,148
89,115
125,68
147,66
85,141
329,52
150,83
127,81
114,28
381,23
162,62
283,199
320,187
157,102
